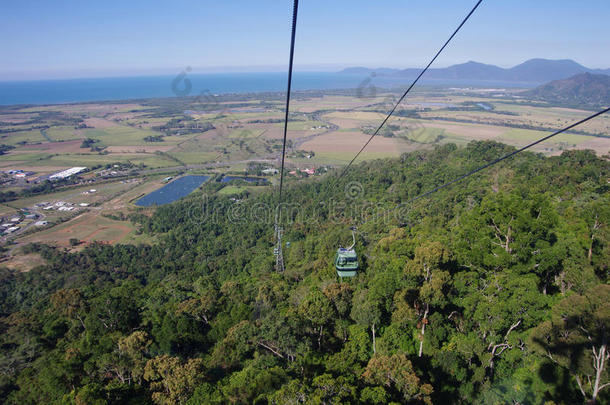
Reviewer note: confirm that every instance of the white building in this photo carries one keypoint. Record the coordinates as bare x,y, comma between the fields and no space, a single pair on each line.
66,173
270,171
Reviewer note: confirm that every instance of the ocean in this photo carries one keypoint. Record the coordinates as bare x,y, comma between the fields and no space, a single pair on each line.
125,88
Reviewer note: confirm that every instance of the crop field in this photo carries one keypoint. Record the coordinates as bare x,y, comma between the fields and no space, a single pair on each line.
87,227
62,133
330,102
5,210
27,136
73,146
164,136
329,125
343,145
425,135
230,190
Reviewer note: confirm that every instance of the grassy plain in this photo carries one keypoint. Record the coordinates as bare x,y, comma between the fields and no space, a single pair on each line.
325,124
162,136
88,227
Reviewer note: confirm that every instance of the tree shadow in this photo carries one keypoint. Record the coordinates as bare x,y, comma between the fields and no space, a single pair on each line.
565,359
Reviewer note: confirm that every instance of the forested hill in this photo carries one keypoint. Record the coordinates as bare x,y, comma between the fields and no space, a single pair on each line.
583,89
493,291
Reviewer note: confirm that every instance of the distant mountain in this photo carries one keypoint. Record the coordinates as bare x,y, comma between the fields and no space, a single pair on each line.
533,71
465,71
582,89
544,70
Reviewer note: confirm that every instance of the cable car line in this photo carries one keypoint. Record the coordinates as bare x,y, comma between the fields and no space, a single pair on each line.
279,262
409,89
346,260
294,27
495,161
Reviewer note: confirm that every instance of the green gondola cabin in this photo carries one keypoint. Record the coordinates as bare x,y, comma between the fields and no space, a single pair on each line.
346,262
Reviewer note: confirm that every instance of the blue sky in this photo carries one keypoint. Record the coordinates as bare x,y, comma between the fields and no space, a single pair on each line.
61,38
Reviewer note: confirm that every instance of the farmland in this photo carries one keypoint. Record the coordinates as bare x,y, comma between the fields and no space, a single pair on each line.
160,137
172,132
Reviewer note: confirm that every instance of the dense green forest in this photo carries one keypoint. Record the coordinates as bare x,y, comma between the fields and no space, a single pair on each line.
493,291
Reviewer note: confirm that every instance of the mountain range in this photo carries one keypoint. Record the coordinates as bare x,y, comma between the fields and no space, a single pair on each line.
533,71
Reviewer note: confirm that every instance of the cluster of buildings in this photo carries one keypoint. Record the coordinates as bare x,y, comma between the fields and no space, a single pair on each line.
19,174
297,172
303,172
60,206
13,224
115,171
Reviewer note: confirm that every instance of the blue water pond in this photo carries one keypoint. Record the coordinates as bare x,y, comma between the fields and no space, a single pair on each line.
173,191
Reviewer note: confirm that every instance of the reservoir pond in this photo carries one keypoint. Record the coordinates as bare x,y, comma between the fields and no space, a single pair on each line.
172,191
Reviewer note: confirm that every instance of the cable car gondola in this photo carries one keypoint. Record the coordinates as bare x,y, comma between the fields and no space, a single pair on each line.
346,259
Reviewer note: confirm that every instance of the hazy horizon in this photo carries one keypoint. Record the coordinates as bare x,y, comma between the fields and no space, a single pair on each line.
93,74
70,39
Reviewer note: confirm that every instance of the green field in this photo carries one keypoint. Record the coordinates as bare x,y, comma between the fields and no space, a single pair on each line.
29,136
424,135
121,128
120,135
5,210
62,133
525,135
228,190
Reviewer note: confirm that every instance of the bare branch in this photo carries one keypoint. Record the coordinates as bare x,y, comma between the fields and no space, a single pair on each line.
271,349
512,327
582,391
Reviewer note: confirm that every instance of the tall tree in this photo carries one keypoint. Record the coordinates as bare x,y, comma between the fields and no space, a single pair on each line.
366,312
397,372
429,281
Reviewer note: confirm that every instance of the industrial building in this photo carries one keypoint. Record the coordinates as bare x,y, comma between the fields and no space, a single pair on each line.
66,173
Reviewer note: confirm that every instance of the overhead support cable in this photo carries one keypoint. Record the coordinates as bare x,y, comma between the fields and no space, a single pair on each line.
498,160
409,89
279,257
292,38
